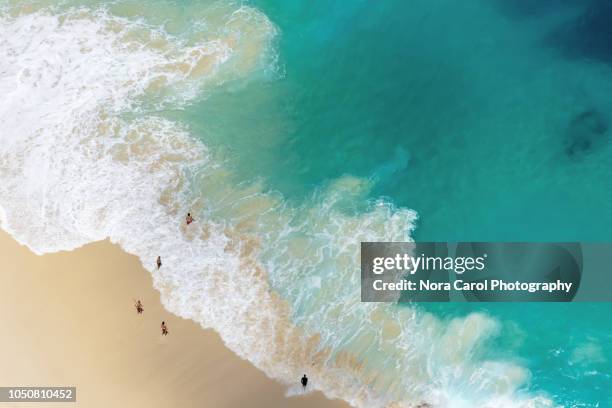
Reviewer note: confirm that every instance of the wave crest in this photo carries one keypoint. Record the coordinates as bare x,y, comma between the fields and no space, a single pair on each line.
83,159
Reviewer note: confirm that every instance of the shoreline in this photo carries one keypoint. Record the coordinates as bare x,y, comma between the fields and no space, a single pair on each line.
69,320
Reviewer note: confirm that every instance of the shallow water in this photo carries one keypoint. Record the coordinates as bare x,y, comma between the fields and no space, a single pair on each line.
460,112
281,125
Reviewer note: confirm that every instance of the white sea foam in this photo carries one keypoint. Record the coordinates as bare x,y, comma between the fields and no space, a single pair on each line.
82,161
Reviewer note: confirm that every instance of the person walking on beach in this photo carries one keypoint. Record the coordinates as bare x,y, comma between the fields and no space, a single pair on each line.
304,381
189,219
164,329
159,264
139,308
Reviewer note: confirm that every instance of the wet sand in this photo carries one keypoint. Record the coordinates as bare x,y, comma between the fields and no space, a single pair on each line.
68,319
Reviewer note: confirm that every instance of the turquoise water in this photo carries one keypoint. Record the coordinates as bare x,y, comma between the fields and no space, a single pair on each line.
462,111
293,131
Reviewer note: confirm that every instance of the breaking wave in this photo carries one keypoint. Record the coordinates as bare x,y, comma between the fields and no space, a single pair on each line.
85,157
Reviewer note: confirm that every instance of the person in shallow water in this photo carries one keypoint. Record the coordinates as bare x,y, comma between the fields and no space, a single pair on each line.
164,329
189,219
139,308
159,264
304,381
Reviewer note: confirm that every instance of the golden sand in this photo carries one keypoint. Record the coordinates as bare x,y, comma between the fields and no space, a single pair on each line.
68,319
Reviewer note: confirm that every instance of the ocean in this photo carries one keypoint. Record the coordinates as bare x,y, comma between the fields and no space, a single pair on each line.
295,130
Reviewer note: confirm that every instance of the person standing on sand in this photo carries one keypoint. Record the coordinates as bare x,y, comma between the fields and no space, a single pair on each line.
159,264
304,381
189,219
164,329
139,308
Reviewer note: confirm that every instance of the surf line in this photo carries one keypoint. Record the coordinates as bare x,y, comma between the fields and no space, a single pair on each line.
486,285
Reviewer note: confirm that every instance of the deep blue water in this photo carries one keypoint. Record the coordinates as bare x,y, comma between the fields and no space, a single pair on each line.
472,114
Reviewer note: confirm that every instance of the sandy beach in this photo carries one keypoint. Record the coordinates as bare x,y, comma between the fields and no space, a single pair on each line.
68,319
